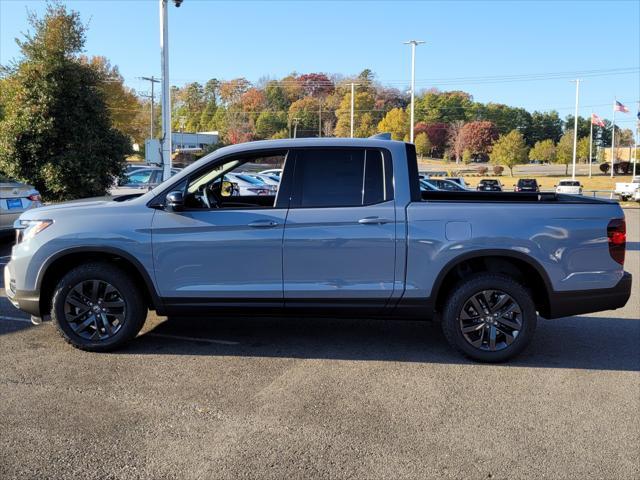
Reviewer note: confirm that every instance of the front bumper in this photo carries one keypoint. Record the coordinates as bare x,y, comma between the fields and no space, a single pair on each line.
577,302
27,301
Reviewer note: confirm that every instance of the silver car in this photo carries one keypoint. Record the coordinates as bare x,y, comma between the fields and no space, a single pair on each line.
15,198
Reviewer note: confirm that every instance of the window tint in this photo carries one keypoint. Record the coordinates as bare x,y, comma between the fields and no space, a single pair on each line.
342,177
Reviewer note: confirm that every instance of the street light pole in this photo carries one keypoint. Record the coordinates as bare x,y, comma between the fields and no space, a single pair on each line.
413,44
575,131
166,95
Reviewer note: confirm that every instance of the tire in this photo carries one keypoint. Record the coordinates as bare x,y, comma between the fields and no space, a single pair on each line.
96,307
506,322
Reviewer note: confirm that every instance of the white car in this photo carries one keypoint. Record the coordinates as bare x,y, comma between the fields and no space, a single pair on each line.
272,171
249,185
572,187
268,178
628,190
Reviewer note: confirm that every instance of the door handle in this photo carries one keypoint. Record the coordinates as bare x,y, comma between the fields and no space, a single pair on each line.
373,221
263,224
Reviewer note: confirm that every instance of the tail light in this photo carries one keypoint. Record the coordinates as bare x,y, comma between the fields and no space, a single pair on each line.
617,236
35,197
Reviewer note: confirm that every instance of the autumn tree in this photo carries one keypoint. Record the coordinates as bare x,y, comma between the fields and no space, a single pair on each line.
437,133
455,140
510,150
582,151
478,137
543,151
269,123
57,132
316,84
395,122
305,111
564,150
363,103
422,143
125,108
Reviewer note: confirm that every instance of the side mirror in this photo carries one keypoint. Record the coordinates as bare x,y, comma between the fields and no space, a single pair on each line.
174,201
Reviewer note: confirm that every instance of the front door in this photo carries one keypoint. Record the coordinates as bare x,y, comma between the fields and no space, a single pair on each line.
339,239
221,249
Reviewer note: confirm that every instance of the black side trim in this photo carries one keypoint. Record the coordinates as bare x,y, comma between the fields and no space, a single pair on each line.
155,299
576,302
414,179
490,253
347,307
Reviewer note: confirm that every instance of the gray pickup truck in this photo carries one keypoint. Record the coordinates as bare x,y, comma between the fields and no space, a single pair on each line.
349,233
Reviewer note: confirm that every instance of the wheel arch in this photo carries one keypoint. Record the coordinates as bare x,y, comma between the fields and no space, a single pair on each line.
518,265
64,261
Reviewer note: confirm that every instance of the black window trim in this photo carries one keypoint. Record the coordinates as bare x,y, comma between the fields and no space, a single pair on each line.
296,185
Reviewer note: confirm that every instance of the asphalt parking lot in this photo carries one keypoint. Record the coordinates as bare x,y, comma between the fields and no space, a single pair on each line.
309,398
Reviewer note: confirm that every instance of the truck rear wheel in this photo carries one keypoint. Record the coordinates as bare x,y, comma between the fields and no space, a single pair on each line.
489,317
97,308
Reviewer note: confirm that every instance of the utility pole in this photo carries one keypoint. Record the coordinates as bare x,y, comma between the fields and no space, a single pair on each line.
182,119
153,81
353,90
295,127
575,131
413,44
319,118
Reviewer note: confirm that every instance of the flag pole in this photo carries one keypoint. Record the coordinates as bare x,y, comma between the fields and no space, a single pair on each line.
613,136
590,144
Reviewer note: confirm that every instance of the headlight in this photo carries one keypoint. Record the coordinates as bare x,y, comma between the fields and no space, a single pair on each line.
30,228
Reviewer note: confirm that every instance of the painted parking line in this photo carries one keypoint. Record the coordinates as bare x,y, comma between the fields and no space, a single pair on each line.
15,319
191,339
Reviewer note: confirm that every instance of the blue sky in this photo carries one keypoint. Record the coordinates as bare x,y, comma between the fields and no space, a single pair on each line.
464,39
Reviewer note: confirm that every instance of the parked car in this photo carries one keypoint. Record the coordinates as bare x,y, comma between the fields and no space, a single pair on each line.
627,190
444,184
427,186
15,198
268,178
353,235
140,180
489,185
459,180
250,185
572,187
527,185
272,171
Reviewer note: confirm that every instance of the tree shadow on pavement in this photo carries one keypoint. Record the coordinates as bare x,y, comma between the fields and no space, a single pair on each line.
576,342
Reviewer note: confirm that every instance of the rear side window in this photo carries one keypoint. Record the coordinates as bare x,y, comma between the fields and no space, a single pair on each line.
336,177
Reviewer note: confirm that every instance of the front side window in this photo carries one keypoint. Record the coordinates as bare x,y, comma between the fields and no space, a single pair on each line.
234,184
335,177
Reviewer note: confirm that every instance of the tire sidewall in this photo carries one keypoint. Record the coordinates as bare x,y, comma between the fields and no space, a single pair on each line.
134,306
477,283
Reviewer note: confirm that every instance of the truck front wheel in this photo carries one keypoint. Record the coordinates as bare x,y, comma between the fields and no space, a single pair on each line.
97,307
489,317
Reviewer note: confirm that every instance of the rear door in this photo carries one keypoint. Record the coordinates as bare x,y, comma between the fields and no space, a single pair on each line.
339,239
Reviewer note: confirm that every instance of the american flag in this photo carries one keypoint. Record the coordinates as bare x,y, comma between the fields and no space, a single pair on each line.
596,120
618,107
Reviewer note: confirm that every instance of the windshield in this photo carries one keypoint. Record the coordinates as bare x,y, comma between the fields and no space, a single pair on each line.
527,183
489,182
569,183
